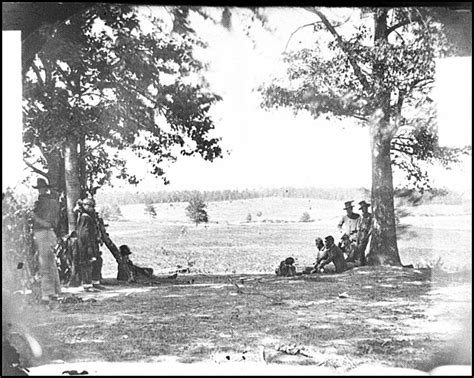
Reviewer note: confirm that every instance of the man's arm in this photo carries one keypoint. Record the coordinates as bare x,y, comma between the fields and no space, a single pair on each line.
339,225
329,258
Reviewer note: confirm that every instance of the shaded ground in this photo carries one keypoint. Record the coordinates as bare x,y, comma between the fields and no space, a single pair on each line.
391,316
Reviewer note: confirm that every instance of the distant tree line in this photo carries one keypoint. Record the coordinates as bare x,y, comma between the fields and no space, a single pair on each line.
407,196
131,197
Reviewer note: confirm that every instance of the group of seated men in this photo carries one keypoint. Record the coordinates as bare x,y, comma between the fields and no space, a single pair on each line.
347,254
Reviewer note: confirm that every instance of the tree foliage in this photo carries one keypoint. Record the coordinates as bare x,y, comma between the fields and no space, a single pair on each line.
110,212
19,263
196,210
346,78
104,78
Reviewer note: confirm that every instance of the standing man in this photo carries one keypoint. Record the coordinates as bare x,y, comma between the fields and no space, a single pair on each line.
364,230
90,262
45,223
348,223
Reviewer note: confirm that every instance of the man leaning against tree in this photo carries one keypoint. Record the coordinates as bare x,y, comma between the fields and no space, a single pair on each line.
364,229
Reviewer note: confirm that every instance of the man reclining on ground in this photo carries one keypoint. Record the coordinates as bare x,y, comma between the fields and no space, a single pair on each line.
137,272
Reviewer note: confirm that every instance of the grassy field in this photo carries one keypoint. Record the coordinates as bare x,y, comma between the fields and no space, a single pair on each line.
231,244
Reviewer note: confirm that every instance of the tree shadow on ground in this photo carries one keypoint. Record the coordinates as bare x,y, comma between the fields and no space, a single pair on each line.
298,320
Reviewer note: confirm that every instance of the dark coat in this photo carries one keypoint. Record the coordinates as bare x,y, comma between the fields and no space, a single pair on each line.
87,242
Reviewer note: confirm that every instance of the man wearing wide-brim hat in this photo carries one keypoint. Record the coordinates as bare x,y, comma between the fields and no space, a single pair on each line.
364,230
348,223
45,223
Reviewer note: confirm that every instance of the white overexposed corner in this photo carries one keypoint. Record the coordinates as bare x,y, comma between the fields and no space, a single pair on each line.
453,94
12,126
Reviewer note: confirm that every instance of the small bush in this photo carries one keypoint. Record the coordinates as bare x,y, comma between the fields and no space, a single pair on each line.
150,210
305,217
19,262
110,212
196,210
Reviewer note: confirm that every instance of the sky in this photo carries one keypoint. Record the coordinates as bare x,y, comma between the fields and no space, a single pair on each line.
267,149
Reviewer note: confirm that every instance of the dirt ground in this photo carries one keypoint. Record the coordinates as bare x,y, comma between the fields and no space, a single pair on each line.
388,316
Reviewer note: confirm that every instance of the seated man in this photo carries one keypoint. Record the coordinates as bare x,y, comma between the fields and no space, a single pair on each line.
136,271
320,255
349,248
334,256
286,268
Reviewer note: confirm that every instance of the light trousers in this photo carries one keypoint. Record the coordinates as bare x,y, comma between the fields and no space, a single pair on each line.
45,241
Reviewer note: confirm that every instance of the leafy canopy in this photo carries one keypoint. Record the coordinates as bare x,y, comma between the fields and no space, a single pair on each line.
352,74
120,80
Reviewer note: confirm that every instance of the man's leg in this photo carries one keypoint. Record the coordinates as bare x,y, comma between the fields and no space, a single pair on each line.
361,251
97,273
329,268
47,264
85,272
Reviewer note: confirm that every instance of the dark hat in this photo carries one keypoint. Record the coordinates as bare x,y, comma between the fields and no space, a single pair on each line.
289,260
348,205
41,183
363,204
124,250
329,237
88,200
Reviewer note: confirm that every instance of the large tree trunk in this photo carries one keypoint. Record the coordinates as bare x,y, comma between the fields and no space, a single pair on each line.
55,163
82,165
383,247
73,186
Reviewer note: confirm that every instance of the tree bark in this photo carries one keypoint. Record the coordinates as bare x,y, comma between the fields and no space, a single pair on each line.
73,186
383,247
55,163
82,165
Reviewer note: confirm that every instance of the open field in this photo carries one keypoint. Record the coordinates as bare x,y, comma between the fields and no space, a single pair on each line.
230,244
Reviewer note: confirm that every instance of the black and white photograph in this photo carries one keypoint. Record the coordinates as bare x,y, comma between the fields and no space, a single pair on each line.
234,190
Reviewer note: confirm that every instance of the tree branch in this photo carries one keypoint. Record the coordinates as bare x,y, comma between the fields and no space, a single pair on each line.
396,26
417,82
38,74
64,74
341,44
36,170
301,27
398,114
360,117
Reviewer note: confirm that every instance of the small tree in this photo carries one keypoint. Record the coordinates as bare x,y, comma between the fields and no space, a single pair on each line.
196,210
150,210
305,217
110,212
